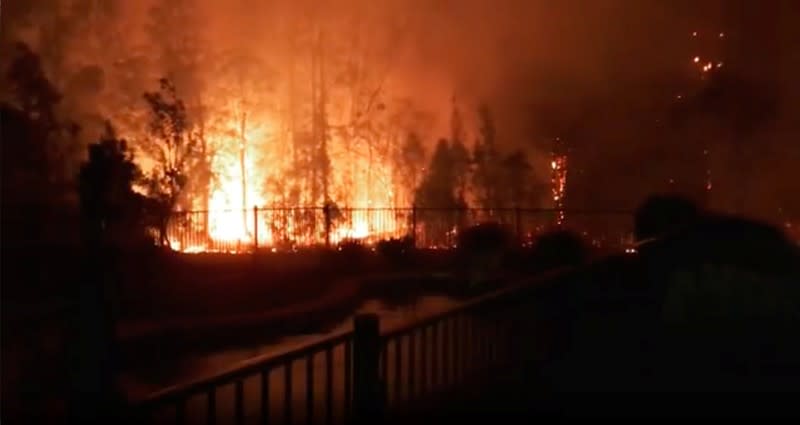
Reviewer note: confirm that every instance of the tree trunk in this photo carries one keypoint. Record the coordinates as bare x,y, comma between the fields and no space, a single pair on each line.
314,124
323,124
205,184
292,104
242,166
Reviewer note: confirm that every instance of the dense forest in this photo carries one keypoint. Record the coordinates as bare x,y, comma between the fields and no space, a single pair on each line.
213,113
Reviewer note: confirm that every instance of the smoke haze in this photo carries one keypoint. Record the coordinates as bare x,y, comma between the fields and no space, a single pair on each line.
547,68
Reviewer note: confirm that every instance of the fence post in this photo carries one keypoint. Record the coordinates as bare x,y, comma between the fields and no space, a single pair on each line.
184,229
255,228
368,400
414,224
518,224
326,212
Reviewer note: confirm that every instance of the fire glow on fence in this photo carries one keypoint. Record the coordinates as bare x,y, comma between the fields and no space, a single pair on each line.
285,228
256,168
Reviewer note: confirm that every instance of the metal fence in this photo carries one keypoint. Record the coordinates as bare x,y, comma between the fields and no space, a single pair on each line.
290,228
358,374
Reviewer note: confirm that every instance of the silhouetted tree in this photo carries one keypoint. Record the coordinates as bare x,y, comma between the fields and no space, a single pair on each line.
177,151
439,190
517,187
45,138
24,153
438,187
459,155
412,154
181,55
111,214
30,87
110,208
245,81
486,178
461,168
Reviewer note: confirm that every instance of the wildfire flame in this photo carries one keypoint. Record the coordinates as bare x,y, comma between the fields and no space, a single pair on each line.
246,213
559,182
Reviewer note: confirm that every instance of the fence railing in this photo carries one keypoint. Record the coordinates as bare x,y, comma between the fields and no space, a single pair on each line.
290,228
313,380
355,375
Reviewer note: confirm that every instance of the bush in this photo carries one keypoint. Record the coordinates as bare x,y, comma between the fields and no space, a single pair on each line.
482,250
353,251
484,238
559,248
661,214
396,251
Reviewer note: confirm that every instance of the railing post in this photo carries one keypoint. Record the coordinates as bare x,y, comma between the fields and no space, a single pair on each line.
414,225
368,400
255,228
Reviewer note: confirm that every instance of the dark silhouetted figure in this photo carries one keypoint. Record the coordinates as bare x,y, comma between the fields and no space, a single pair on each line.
711,304
725,308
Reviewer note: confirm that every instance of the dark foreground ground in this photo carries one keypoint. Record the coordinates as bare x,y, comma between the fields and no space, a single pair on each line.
177,303
702,323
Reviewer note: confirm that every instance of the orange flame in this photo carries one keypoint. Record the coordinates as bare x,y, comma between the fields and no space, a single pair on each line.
559,184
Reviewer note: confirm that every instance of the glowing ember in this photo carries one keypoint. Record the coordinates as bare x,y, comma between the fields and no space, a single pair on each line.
559,182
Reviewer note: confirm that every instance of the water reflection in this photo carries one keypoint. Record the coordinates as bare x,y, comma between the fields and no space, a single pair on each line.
196,365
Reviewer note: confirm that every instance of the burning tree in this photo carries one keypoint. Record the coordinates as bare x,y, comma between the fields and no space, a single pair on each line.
242,128
459,155
177,151
558,164
411,155
485,178
439,195
516,189
439,188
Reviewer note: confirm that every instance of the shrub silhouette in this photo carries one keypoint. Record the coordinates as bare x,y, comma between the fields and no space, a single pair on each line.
111,210
481,250
661,214
558,248
484,238
396,251
353,251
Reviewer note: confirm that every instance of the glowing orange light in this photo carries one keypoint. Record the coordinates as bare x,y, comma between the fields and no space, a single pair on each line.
238,205
558,183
